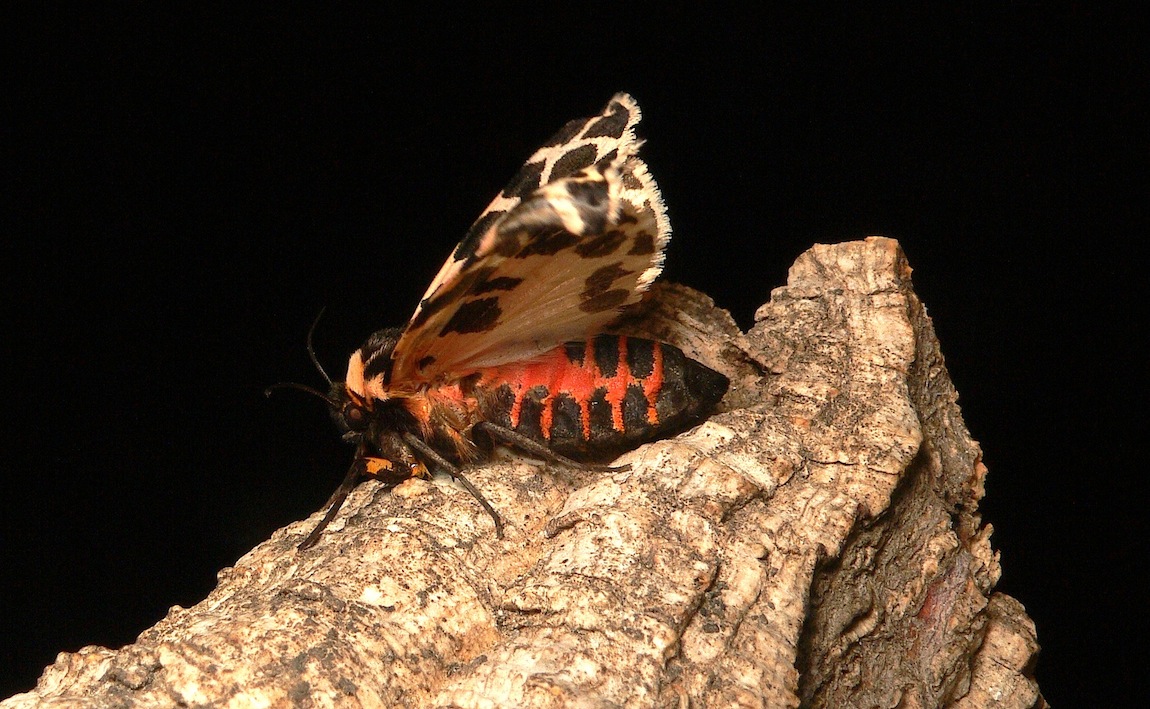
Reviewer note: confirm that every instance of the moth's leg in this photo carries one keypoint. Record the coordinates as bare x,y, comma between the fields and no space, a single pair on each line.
504,435
392,473
335,502
419,446
363,466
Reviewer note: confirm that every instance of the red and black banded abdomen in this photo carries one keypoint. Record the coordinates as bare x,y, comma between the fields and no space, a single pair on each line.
595,398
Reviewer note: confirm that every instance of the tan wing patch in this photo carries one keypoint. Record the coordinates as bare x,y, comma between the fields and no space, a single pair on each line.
577,235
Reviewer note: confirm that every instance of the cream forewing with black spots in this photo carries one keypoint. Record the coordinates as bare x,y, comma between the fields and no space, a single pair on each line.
575,237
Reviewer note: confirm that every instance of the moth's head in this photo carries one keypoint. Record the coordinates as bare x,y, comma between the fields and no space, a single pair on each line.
350,403
352,413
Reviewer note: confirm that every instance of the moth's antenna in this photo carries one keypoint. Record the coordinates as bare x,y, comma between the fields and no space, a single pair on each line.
311,350
304,388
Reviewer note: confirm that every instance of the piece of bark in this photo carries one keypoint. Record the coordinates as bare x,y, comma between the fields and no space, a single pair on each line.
815,543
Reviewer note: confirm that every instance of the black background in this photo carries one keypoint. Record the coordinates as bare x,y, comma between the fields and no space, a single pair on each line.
191,187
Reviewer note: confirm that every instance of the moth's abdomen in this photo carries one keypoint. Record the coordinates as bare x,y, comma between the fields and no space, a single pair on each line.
594,398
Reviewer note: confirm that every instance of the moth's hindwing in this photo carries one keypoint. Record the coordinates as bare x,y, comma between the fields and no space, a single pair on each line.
575,237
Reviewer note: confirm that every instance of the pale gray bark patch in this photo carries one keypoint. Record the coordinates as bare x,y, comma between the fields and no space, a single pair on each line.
815,543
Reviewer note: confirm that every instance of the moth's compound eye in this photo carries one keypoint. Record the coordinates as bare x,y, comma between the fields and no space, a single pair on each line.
355,417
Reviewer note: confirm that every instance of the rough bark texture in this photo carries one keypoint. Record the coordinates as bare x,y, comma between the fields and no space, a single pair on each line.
816,543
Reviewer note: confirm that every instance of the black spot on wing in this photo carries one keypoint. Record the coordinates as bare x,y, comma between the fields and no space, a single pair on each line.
608,300
593,193
573,161
423,362
427,308
569,130
508,243
466,248
534,228
590,200
445,297
642,244
602,279
548,243
613,125
526,181
474,316
604,162
534,217
601,245
502,283
478,275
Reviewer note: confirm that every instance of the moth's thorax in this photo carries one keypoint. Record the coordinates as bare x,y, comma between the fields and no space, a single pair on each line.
369,367
365,387
354,379
445,413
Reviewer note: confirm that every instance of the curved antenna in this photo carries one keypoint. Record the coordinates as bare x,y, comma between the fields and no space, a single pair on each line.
304,388
311,350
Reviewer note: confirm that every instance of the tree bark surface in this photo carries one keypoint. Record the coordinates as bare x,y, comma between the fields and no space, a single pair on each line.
815,543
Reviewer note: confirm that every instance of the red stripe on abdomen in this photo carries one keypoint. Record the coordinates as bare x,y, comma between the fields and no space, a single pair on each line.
653,383
617,385
607,392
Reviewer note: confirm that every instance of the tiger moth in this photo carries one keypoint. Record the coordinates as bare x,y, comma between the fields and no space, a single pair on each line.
508,344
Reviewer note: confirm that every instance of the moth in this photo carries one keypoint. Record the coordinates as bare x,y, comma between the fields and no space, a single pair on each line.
507,346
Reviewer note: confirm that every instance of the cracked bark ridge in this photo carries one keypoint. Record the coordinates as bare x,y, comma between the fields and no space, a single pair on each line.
815,543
